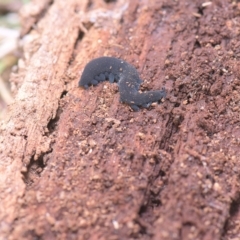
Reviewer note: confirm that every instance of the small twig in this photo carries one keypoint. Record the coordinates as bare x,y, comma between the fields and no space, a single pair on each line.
8,38
4,92
8,33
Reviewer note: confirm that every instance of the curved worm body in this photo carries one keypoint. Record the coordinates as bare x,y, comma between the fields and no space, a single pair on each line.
117,70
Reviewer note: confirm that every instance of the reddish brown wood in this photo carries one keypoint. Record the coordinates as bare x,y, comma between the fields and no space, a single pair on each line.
78,164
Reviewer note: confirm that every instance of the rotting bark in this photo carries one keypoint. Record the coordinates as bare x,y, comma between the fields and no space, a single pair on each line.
78,164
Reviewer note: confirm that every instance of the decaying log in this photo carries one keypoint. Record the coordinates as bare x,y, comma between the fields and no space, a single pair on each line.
78,164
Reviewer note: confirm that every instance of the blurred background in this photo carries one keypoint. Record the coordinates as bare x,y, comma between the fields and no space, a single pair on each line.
9,35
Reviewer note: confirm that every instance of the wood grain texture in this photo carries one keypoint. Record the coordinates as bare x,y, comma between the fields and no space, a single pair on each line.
25,135
78,164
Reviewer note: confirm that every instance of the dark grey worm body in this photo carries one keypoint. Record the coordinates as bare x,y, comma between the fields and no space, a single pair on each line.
117,70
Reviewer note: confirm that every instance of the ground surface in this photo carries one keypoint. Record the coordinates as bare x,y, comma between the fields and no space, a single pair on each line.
78,164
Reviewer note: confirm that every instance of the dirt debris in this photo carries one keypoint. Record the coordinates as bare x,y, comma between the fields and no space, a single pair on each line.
105,172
